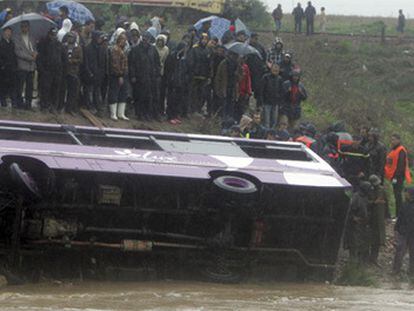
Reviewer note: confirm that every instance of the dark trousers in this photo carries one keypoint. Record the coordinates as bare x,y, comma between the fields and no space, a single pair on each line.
8,89
72,98
163,93
241,107
51,85
213,104
403,243
309,27
228,108
298,26
176,103
198,94
398,189
144,100
94,97
24,78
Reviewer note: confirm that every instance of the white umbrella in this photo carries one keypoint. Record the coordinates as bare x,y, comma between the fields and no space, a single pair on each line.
39,25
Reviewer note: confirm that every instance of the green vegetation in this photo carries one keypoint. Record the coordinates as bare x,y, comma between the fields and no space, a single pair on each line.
356,25
252,12
354,274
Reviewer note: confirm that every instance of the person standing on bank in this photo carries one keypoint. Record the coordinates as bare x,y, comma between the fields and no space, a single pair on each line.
118,91
397,170
298,15
277,15
26,66
323,21
310,13
401,22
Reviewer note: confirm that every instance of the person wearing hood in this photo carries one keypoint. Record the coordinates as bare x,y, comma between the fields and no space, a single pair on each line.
286,67
134,35
96,61
171,44
276,53
118,90
50,64
8,67
73,57
163,51
200,69
144,72
294,93
66,28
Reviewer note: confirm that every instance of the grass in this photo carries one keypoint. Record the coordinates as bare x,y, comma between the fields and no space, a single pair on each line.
357,25
354,274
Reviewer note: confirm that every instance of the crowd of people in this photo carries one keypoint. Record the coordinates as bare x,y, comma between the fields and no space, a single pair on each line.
141,67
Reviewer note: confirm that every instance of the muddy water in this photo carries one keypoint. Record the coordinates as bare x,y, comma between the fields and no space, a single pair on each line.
202,296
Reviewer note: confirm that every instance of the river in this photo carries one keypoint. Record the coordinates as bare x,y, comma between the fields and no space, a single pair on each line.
175,295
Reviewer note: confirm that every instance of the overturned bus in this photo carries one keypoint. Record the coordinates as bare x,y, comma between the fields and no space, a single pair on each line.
78,200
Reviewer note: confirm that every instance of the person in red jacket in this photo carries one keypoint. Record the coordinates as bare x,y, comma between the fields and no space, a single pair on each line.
397,170
245,90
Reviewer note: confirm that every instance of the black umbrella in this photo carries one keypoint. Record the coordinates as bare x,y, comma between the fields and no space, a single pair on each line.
241,48
39,25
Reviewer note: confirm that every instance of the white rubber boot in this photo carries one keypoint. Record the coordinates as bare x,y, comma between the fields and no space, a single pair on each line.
121,111
112,110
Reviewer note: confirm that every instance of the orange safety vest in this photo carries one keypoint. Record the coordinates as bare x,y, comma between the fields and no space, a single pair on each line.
306,140
392,162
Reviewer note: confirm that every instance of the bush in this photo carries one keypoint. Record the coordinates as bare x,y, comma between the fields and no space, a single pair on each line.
356,275
251,12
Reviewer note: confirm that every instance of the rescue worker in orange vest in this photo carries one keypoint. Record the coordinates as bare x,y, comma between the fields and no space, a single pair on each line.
330,153
307,136
397,170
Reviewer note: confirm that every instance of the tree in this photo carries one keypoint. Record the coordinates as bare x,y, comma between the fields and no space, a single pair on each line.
251,12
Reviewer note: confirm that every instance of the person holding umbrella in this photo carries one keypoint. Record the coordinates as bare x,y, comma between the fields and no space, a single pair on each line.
26,65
